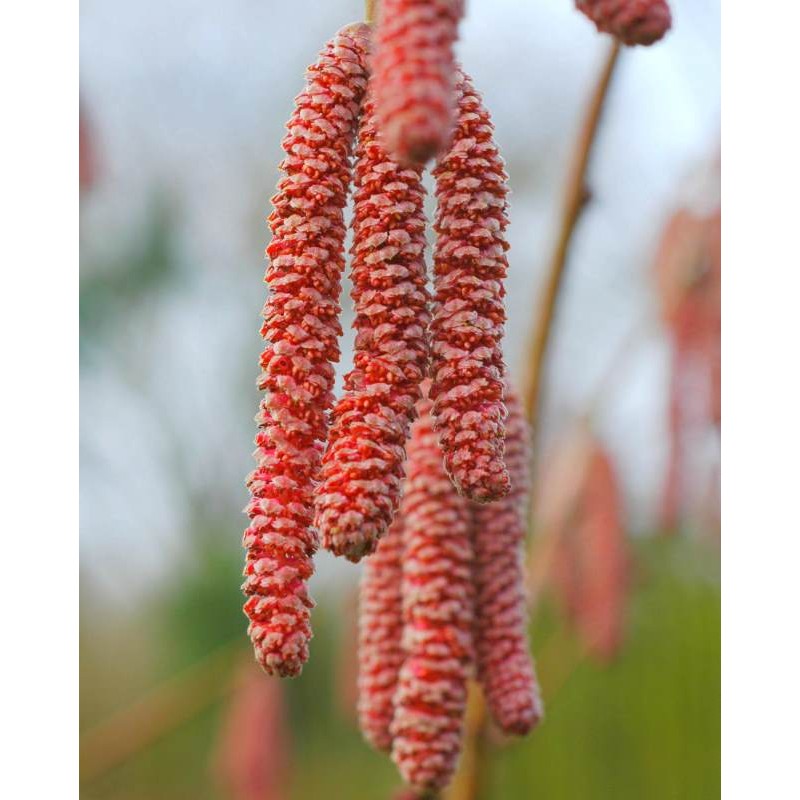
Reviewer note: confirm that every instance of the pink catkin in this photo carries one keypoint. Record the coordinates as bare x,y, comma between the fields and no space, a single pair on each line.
631,21
362,469
591,558
414,75
253,758
380,653
470,266
301,328
87,152
438,613
505,666
604,556
688,278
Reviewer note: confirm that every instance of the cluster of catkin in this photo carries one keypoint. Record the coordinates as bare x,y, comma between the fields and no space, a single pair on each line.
442,599
334,469
420,464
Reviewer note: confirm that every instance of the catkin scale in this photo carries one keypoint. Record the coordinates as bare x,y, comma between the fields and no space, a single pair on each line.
306,257
362,468
505,666
633,22
470,265
438,615
414,70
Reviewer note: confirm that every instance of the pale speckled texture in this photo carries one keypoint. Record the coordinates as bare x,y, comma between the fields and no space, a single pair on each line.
470,266
438,613
301,327
380,627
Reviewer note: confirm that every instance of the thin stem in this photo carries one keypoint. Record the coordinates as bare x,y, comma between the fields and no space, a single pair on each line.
370,7
469,780
575,198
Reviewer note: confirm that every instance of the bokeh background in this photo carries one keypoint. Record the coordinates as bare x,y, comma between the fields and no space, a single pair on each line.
182,108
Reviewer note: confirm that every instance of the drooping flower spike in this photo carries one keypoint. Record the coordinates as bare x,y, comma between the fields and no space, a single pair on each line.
438,613
581,515
631,21
380,624
301,327
470,266
603,559
688,277
505,666
414,74
362,469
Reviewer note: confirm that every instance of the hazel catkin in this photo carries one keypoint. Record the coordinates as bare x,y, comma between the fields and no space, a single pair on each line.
301,328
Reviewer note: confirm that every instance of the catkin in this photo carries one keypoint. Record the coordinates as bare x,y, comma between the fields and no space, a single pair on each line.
362,469
470,266
301,328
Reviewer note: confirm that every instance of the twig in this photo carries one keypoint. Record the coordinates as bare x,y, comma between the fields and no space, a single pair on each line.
468,782
370,7
575,198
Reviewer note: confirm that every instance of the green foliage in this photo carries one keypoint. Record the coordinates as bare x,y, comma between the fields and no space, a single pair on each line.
648,724
645,726
150,264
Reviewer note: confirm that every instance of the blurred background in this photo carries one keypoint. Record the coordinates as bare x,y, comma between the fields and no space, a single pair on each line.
183,104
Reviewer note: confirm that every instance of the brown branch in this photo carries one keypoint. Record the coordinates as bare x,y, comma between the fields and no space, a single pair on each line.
468,781
575,198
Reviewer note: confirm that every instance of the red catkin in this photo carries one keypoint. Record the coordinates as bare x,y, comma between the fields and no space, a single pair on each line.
438,614
362,470
470,265
505,666
414,75
301,327
631,21
380,653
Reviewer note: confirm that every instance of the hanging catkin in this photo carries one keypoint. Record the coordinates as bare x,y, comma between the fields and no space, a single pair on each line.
380,623
438,614
470,266
362,469
414,73
505,666
301,327
631,21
